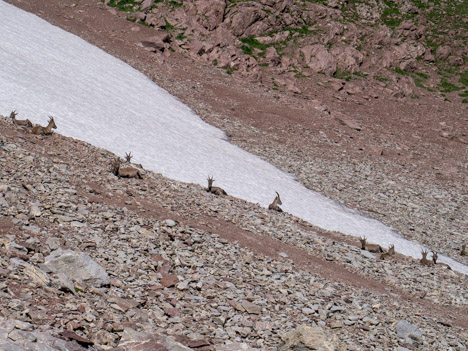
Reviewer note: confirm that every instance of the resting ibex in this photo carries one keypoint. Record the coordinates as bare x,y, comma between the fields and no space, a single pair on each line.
40,130
424,261
463,251
127,172
274,205
214,189
390,252
370,247
20,122
435,256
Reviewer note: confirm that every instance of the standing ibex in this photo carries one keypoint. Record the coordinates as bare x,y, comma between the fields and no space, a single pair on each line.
390,252
20,122
370,247
40,130
274,205
214,189
463,251
424,261
435,256
127,172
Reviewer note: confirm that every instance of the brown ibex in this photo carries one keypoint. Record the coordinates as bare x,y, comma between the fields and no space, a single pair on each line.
215,189
424,261
463,251
435,256
390,252
20,122
126,172
40,130
370,247
274,205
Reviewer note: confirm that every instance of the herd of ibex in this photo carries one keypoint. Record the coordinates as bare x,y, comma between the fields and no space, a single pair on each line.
132,172
36,129
424,261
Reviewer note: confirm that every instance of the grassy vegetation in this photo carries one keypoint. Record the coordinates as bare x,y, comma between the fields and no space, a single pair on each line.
339,74
445,86
175,3
381,79
464,78
124,5
250,44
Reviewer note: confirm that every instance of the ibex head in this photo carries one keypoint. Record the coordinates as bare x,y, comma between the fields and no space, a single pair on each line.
128,157
13,114
115,165
363,241
435,256
52,122
210,182
424,254
277,199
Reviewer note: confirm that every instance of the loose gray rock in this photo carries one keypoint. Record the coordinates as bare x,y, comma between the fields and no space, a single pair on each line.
78,266
408,331
133,340
308,338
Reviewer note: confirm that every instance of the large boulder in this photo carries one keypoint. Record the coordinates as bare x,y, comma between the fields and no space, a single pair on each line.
210,13
347,58
319,59
77,266
243,18
309,338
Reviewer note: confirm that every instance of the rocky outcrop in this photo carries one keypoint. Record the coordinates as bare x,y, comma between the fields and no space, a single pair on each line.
318,59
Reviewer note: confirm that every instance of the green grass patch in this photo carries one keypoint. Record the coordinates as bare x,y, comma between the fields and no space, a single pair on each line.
464,78
339,74
168,26
124,5
447,87
400,71
175,4
360,74
251,44
180,36
422,75
381,79
464,101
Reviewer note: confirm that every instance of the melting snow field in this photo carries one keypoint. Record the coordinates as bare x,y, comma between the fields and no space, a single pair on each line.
99,99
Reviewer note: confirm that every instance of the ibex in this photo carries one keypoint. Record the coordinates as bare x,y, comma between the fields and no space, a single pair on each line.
214,189
463,251
127,172
128,157
424,261
274,205
40,130
435,256
390,252
370,247
20,122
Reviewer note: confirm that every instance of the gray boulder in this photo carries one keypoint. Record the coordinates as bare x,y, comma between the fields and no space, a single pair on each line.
77,266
